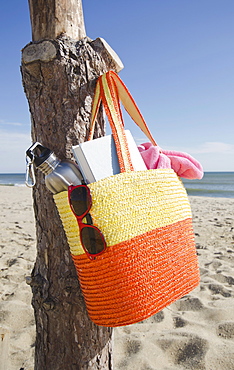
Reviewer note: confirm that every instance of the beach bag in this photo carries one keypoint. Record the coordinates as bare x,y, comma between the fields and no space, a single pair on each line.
145,217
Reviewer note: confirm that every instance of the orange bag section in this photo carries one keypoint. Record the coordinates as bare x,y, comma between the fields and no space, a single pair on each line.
139,277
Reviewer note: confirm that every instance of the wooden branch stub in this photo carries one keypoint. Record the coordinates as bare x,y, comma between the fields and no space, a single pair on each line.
44,51
51,18
107,53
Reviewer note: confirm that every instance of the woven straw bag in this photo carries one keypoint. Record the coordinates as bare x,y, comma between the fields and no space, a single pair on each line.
145,217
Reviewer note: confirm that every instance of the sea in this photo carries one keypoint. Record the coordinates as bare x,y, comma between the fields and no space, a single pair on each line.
213,184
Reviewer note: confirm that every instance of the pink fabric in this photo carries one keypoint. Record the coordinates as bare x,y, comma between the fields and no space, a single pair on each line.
182,163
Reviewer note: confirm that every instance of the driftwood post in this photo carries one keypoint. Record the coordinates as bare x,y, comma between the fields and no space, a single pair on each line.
59,71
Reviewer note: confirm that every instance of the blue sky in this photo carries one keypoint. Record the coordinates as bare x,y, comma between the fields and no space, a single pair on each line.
179,66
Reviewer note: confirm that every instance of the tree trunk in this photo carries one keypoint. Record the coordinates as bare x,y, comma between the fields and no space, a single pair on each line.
51,18
59,77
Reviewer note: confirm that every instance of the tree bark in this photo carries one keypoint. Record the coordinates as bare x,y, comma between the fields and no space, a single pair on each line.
59,78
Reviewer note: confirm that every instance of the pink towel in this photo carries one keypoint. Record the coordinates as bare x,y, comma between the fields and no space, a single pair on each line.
182,163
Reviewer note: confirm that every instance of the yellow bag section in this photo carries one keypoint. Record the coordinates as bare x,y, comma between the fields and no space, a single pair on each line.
129,204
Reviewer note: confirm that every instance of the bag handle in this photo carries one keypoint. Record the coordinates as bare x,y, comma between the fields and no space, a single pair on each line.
110,89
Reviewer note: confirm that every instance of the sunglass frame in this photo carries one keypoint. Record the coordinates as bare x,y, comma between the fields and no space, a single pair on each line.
83,225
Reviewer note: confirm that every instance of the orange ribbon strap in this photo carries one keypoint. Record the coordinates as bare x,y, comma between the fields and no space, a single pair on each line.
110,90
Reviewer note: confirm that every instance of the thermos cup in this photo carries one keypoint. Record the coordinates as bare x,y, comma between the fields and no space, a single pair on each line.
59,174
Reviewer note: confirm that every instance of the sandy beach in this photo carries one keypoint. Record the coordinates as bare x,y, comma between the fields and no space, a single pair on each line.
196,332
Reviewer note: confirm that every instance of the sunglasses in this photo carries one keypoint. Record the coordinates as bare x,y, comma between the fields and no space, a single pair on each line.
92,240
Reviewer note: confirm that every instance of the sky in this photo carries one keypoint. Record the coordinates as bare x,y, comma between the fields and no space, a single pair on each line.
178,58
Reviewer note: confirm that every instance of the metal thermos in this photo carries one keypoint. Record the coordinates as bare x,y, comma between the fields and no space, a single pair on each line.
59,174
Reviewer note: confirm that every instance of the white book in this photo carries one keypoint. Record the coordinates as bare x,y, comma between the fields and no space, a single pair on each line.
98,159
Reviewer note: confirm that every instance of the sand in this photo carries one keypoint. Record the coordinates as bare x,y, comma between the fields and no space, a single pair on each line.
17,256
196,332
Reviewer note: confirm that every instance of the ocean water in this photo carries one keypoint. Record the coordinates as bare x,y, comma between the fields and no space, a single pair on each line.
11,179
213,184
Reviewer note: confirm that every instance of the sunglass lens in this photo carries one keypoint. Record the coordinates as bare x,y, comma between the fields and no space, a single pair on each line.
79,200
92,240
